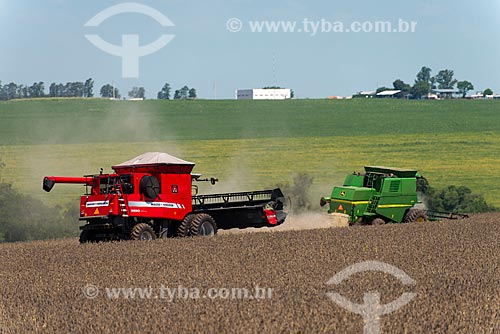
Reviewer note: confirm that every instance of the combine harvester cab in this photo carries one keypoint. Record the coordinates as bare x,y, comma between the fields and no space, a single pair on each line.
153,196
381,195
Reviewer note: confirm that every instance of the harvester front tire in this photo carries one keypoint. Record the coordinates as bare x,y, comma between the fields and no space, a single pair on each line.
378,222
415,215
203,225
357,222
143,232
86,236
185,226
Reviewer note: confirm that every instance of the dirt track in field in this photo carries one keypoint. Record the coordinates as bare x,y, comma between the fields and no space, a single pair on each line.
455,266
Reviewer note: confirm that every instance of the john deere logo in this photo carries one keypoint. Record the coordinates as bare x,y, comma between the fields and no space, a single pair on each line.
342,193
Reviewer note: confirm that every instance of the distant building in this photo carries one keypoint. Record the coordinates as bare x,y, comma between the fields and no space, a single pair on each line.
389,93
264,94
445,93
366,93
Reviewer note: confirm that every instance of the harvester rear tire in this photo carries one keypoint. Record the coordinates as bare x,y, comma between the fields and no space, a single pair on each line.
378,222
415,215
203,225
142,231
184,229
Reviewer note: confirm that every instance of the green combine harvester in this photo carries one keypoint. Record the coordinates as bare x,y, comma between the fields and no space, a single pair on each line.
381,195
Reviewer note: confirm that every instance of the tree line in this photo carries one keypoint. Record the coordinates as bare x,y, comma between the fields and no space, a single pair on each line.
180,94
85,89
458,199
23,217
12,90
425,82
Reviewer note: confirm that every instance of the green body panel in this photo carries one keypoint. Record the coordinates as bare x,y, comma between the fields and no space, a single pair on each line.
350,200
381,192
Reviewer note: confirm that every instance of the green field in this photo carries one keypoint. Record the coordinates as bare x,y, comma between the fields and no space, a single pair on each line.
253,144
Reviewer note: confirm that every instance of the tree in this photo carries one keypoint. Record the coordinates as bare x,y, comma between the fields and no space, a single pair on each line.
22,92
3,94
424,75
423,83
110,91
177,94
164,94
420,89
456,199
433,83
184,92
137,93
487,91
403,87
192,93
11,91
88,88
74,89
464,87
53,90
445,79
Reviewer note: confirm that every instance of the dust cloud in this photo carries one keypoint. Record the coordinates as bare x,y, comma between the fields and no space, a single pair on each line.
301,221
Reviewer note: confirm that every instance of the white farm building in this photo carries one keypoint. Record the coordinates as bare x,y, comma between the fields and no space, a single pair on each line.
264,94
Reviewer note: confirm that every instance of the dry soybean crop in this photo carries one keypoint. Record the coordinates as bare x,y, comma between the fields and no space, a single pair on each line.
257,282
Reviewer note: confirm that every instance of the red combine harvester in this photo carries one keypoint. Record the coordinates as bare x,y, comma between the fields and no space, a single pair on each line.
153,195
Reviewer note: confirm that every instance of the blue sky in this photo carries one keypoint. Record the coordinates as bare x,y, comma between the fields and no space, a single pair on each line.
45,41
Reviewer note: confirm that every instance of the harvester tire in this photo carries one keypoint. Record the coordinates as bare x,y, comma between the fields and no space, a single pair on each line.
86,236
357,222
185,226
378,221
142,231
203,225
415,215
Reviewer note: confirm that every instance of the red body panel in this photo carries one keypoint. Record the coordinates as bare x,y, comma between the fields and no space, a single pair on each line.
271,216
174,201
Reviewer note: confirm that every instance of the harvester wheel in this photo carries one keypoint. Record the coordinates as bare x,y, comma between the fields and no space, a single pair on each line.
86,236
184,228
203,225
415,215
357,222
142,231
378,221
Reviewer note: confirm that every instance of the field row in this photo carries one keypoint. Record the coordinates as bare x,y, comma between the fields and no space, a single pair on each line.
243,164
96,121
60,286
